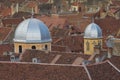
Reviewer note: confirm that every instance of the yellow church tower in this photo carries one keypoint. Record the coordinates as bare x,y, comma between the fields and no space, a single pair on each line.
32,34
92,37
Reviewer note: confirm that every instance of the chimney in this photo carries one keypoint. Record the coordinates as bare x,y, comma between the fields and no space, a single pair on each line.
12,9
17,7
36,9
110,52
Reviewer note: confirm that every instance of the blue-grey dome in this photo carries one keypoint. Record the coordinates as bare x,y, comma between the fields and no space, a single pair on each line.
93,31
32,31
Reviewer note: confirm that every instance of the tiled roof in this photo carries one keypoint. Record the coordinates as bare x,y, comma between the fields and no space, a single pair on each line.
103,71
73,43
84,23
5,12
58,48
73,19
29,54
4,32
11,21
57,32
47,57
115,60
5,47
109,25
53,21
31,71
21,14
31,4
27,71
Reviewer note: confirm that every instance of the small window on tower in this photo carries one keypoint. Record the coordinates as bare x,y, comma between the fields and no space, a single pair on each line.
20,49
46,47
33,47
87,46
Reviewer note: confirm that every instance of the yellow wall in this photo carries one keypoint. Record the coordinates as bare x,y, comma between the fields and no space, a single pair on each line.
91,42
39,46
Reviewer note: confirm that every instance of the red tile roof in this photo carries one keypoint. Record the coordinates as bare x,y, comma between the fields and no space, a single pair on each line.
4,33
11,21
73,43
53,21
5,12
115,60
31,4
28,71
23,71
103,71
5,47
59,48
109,25
47,57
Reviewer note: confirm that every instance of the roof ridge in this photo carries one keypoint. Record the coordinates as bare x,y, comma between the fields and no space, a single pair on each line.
88,73
8,35
113,66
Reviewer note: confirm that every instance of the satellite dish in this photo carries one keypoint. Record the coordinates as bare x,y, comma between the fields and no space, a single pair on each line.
110,42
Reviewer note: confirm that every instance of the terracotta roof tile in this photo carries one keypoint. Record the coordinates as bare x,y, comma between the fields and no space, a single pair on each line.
53,21
27,71
4,32
115,60
5,12
5,47
31,4
103,71
11,21
109,25
73,43
47,57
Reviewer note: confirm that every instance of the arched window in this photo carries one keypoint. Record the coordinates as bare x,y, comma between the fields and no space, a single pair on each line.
46,47
20,49
33,47
87,46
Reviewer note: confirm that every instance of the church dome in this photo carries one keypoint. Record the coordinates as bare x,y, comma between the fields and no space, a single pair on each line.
93,31
32,31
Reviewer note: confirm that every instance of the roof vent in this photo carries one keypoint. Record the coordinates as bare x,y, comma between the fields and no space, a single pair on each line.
35,60
97,60
86,62
12,58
